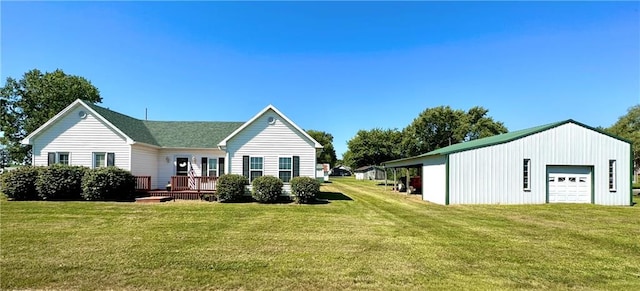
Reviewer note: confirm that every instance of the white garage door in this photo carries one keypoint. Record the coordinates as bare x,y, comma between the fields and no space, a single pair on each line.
569,184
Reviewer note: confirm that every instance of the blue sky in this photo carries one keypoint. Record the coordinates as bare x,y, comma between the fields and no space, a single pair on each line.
338,66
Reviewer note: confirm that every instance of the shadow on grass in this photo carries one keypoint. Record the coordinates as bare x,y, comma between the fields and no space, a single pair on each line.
333,196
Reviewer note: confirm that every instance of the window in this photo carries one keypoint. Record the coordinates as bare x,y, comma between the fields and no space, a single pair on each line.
209,167
612,175
284,169
255,167
212,169
526,174
63,158
103,160
58,158
99,160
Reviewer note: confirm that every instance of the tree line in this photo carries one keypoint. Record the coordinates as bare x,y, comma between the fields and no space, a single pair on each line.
29,102
434,128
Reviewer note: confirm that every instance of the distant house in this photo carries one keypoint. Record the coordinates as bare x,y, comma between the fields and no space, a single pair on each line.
562,162
369,173
88,135
340,171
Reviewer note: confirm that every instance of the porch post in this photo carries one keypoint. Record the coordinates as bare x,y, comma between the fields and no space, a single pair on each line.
408,179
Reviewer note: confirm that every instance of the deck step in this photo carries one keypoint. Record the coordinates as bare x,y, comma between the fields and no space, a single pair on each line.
153,199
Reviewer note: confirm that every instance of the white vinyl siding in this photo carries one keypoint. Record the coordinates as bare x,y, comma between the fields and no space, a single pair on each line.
144,162
478,175
63,136
271,141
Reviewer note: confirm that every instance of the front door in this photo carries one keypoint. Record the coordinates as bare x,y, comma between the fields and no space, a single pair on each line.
182,166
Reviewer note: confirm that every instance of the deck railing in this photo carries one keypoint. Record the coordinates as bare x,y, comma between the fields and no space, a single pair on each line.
143,183
181,183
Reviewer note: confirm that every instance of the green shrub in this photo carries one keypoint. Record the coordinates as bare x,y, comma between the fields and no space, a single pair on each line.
231,187
266,189
110,183
305,189
20,183
60,182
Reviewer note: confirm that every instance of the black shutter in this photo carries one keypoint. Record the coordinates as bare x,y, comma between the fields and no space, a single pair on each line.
203,167
296,166
111,159
245,166
51,159
220,167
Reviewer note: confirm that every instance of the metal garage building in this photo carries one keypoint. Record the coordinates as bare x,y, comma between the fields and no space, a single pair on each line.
562,162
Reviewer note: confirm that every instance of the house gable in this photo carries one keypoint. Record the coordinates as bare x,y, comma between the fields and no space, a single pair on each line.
277,115
88,111
79,133
270,136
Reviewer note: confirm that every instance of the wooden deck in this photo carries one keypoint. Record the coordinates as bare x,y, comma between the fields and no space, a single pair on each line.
182,187
182,194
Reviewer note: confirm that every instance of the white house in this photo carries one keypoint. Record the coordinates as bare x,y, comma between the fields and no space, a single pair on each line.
88,135
562,162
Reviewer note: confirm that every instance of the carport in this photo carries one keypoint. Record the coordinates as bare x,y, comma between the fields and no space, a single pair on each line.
405,165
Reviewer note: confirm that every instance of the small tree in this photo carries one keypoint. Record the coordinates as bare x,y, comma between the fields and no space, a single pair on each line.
29,102
305,189
266,189
231,187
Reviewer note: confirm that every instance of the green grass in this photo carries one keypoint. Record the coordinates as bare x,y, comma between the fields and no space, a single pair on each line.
367,238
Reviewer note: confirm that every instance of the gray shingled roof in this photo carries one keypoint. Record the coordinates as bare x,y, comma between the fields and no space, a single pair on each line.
170,134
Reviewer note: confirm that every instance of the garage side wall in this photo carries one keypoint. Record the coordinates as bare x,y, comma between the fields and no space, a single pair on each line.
494,174
434,179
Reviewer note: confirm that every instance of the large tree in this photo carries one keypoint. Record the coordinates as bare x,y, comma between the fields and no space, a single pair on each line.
31,101
442,126
327,155
628,127
372,147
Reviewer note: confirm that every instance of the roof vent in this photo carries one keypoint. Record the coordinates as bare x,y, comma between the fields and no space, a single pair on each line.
271,120
82,114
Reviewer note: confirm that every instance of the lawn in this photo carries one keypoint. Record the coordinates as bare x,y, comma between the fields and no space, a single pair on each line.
364,238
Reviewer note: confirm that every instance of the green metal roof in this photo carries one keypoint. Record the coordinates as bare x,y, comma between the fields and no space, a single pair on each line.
493,140
170,134
499,139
